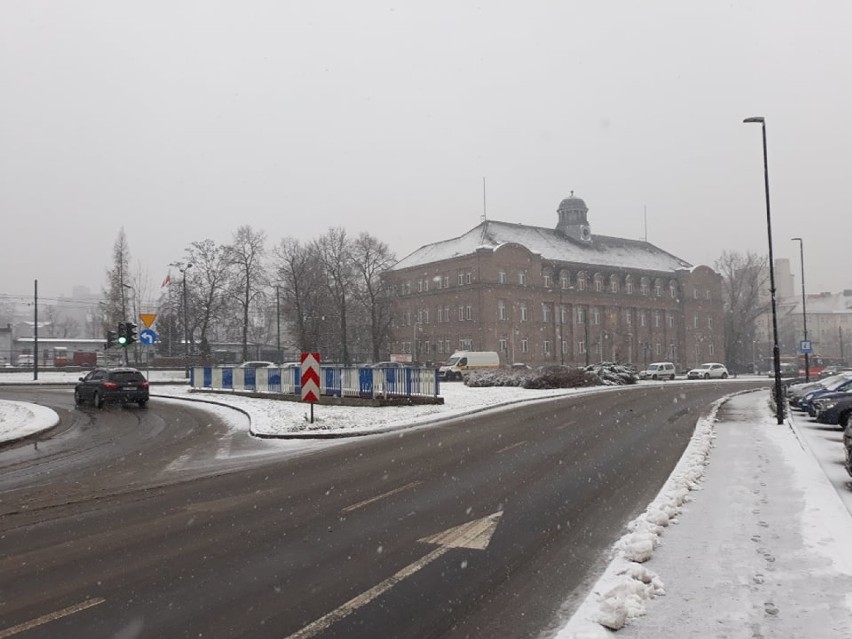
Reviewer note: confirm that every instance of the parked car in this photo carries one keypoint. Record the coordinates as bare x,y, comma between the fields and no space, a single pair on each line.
847,446
658,370
795,392
258,364
711,370
806,402
798,392
836,411
114,385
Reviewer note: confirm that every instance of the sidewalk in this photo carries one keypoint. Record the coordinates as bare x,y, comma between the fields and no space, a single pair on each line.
763,549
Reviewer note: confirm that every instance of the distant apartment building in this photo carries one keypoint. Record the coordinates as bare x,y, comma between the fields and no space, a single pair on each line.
557,295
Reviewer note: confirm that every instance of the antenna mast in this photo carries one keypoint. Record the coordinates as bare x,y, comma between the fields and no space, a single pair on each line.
484,209
646,222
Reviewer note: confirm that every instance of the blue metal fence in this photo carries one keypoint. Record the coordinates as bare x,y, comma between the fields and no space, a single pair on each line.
335,381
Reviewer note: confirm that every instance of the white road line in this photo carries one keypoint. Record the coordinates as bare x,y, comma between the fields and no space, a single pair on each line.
474,535
53,616
511,446
366,502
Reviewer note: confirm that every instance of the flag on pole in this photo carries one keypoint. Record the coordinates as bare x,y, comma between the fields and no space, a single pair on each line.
166,281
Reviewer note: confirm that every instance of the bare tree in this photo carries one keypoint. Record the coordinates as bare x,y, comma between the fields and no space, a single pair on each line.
114,305
744,285
371,258
301,277
335,255
245,256
207,286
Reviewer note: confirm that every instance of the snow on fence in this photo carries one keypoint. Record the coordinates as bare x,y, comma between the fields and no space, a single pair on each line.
334,381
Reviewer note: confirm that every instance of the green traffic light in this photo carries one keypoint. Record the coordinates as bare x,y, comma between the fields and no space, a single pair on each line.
122,340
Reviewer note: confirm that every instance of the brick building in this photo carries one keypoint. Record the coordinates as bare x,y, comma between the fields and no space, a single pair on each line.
555,296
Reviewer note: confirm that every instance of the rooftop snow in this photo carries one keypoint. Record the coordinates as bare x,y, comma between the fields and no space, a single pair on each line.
551,245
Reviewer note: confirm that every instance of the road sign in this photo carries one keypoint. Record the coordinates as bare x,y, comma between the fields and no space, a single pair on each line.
310,377
805,346
147,319
148,336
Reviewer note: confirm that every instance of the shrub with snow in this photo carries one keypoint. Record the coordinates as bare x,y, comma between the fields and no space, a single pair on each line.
605,374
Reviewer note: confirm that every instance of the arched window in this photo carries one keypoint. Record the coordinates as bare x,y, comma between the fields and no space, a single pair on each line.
613,283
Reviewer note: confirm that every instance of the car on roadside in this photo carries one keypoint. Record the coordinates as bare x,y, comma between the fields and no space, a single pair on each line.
795,392
258,364
711,370
112,385
806,403
847,446
834,410
658,370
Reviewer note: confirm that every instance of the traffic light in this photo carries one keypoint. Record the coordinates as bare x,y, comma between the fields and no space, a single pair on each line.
110,339
122,334
130,332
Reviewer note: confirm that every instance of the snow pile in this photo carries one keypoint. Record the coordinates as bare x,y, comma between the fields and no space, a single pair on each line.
21,419
626,586
603,374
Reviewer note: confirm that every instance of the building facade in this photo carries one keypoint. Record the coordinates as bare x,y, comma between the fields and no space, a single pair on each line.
558,295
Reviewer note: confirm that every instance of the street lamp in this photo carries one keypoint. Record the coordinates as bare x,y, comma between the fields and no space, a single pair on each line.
804,307
186,349
776,353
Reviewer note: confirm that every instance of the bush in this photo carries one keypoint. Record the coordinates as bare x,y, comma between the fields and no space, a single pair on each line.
605,374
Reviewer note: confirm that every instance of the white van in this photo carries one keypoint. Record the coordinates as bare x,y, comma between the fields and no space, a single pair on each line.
658,370
463,361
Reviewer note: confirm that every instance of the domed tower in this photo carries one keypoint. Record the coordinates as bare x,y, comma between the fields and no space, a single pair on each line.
572,219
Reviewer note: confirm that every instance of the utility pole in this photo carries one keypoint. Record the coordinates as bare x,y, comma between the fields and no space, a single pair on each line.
35,330
278,321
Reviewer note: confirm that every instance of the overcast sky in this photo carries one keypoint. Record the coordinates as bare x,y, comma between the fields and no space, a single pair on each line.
181,121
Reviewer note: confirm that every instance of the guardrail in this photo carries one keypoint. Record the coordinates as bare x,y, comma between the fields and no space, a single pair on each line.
334,381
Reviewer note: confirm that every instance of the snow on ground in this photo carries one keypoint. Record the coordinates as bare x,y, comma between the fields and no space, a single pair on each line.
760,549
21,419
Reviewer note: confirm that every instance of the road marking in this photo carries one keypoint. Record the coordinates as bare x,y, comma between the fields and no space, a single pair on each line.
511,446
367,502
53,616
475,535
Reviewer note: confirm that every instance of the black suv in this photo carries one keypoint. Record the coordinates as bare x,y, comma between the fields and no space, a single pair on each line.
125,385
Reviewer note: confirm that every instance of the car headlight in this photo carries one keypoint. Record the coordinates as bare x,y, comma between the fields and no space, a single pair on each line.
827,405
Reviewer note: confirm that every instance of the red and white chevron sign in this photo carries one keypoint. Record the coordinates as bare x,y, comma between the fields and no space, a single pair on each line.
310,377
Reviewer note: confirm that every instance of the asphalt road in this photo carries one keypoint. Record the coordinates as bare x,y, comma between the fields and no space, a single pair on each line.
101,539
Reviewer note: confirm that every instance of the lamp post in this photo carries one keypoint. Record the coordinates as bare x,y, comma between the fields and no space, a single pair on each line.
804,307
186,346
278,323
776,353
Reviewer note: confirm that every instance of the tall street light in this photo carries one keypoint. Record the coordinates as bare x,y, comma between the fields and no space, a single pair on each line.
804,307
776,353
186,344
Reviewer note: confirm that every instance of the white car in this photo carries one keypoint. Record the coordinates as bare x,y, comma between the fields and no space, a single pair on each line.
711,370
658,370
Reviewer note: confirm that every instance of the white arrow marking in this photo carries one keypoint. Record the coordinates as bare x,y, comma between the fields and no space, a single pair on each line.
474,534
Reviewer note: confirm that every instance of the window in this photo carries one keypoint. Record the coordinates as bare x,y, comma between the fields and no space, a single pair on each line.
581,346
581,283
596,316
613,284
446,281
425,286
710,349
670,320
426,347
656,319
523,308
629,285
695,293
563,314
628,318
658,289
641,318
504,277
547,347
598,284
447,346
461,278
461,313
522,278
673,290
468,312
440,314
525,345
643,287
419,286
468,277
426,316
504,345
501,310
710,324
694,322
564,346
548,282
581,315
564,282
465,344
707,296
658,349
545,313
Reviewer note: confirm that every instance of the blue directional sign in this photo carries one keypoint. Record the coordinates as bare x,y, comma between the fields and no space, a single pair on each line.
805,346
148,336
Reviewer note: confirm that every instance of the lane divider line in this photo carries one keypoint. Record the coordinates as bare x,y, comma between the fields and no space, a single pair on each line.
53,616
367,502
511,446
